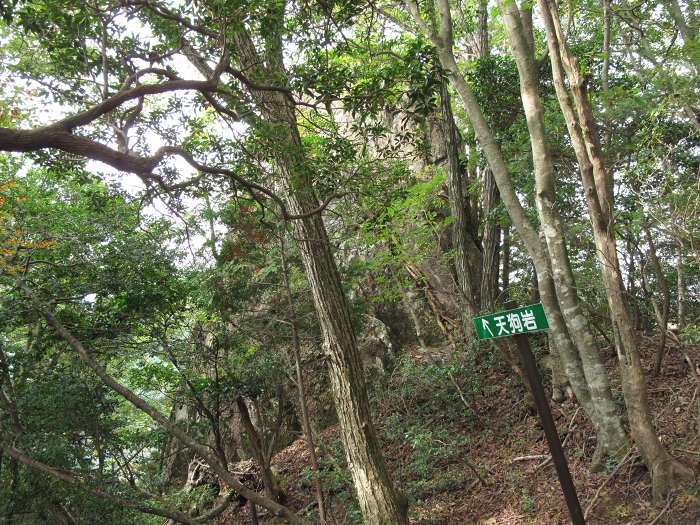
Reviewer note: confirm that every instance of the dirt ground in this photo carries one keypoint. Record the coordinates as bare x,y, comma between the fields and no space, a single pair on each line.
515,487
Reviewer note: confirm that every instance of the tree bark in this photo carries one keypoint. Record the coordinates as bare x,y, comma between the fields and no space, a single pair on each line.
687,30
379,501
490,243
611,436
606,45
483,47
598,188
491,236
467,254
665,293
305,419
682,289
505,263
413,305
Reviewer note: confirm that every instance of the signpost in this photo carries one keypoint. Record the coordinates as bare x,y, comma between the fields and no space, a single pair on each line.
517,323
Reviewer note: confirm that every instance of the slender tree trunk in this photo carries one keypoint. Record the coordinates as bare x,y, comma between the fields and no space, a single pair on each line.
491,237
463,243
305,420
271,486
606,45
598,187
662,287
682,289
558,329
655,306
412,303
505,263
483,47
632,283
562,346
490,243
379,501
611,436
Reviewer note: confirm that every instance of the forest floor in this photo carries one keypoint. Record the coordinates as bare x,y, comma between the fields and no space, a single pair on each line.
435,460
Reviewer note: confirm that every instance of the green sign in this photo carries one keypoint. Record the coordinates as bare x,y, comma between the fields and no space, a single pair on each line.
521,320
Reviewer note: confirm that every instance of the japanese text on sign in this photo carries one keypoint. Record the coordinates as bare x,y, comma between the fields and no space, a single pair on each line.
512,322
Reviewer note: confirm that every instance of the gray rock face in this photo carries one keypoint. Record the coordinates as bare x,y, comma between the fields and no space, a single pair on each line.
376,348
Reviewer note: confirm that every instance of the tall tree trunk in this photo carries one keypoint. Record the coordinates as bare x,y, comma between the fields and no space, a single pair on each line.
467,254
558,328
598,187
662,287
491,237
682,289
483,47
611,436
296,354
379,501
490,243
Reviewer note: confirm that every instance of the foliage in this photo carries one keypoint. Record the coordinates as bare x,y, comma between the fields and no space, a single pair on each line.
172,275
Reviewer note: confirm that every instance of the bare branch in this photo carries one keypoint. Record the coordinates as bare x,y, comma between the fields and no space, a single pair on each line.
250,186
92,114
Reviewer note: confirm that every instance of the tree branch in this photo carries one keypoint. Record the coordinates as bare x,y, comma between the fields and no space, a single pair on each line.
92,114
170,15
162,421
72,479
250,186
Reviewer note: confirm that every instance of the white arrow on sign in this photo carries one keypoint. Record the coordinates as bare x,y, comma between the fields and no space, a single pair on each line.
485,325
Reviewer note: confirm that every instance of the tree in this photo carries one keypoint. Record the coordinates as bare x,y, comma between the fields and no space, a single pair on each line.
598,184
552,291
110,276
251,64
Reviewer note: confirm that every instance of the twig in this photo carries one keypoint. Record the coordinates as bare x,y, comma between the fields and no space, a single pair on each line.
692,452
473,468
529,458
663,511
461,396
625,459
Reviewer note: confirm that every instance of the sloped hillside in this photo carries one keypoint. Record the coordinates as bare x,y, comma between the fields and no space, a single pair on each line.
487,464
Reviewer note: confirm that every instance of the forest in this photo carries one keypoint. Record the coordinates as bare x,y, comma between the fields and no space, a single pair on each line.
247,248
